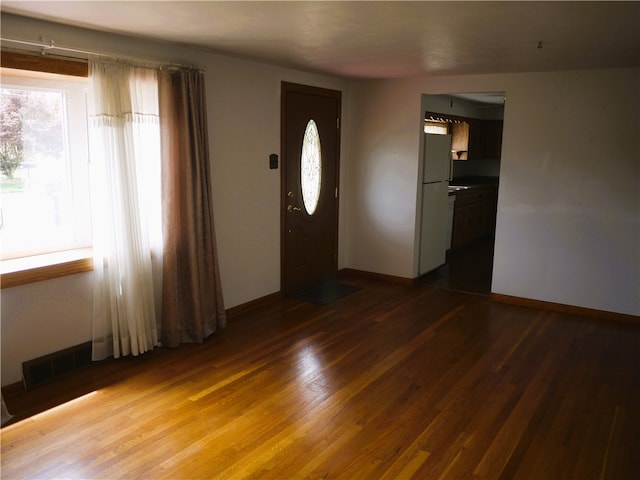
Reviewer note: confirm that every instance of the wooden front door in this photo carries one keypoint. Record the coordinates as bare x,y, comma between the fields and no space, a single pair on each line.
310,147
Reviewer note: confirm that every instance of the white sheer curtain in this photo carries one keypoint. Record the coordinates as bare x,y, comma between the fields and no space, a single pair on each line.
126,203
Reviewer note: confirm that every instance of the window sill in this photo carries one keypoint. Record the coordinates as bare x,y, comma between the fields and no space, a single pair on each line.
25,270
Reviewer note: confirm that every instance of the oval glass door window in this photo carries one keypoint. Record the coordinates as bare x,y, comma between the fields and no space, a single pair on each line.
311,167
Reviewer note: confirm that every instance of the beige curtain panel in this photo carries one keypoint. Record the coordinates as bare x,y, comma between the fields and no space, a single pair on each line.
193,306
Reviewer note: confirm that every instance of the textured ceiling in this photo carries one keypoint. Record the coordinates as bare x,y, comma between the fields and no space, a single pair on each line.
376,39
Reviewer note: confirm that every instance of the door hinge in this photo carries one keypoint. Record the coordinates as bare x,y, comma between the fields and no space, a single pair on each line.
336,192
338,122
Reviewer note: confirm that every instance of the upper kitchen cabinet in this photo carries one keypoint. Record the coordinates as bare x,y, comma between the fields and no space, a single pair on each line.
471,138
493,134
460,140
474,121
485,139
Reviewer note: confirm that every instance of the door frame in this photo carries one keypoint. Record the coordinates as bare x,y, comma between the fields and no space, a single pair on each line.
286,87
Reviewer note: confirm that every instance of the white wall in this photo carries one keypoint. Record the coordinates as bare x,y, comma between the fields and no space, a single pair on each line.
460,107
569,209
243,107
43,317
383,174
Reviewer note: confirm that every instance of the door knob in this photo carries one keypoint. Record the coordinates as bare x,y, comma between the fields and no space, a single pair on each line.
291,208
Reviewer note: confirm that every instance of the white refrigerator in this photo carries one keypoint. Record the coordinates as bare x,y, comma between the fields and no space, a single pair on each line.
435,182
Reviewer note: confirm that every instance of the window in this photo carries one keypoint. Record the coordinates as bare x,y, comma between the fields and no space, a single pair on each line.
44,183
436,127
43,160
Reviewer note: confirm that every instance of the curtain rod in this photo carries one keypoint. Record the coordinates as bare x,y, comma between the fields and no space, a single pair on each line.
46,47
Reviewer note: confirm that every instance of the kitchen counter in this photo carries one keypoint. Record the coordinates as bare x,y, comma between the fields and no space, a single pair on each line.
473,180
453,189
456,188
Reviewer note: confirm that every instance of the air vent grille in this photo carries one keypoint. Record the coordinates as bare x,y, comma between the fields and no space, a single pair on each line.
54,365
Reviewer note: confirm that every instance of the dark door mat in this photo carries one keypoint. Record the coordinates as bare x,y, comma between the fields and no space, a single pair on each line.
326,292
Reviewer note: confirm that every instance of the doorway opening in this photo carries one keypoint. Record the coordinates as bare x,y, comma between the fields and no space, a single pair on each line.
475,123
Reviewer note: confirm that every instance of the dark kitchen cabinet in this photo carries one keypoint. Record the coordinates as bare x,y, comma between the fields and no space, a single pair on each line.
474,215
476,140
493,136
485,139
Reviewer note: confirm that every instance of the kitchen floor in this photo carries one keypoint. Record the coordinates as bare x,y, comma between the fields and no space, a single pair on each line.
467,270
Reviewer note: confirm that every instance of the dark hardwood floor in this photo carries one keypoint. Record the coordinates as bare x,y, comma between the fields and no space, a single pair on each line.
390,382
467,270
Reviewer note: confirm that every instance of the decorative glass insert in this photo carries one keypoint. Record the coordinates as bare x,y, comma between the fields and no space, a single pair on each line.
311,167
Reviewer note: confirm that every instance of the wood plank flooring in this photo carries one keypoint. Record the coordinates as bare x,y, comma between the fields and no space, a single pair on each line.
390,382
